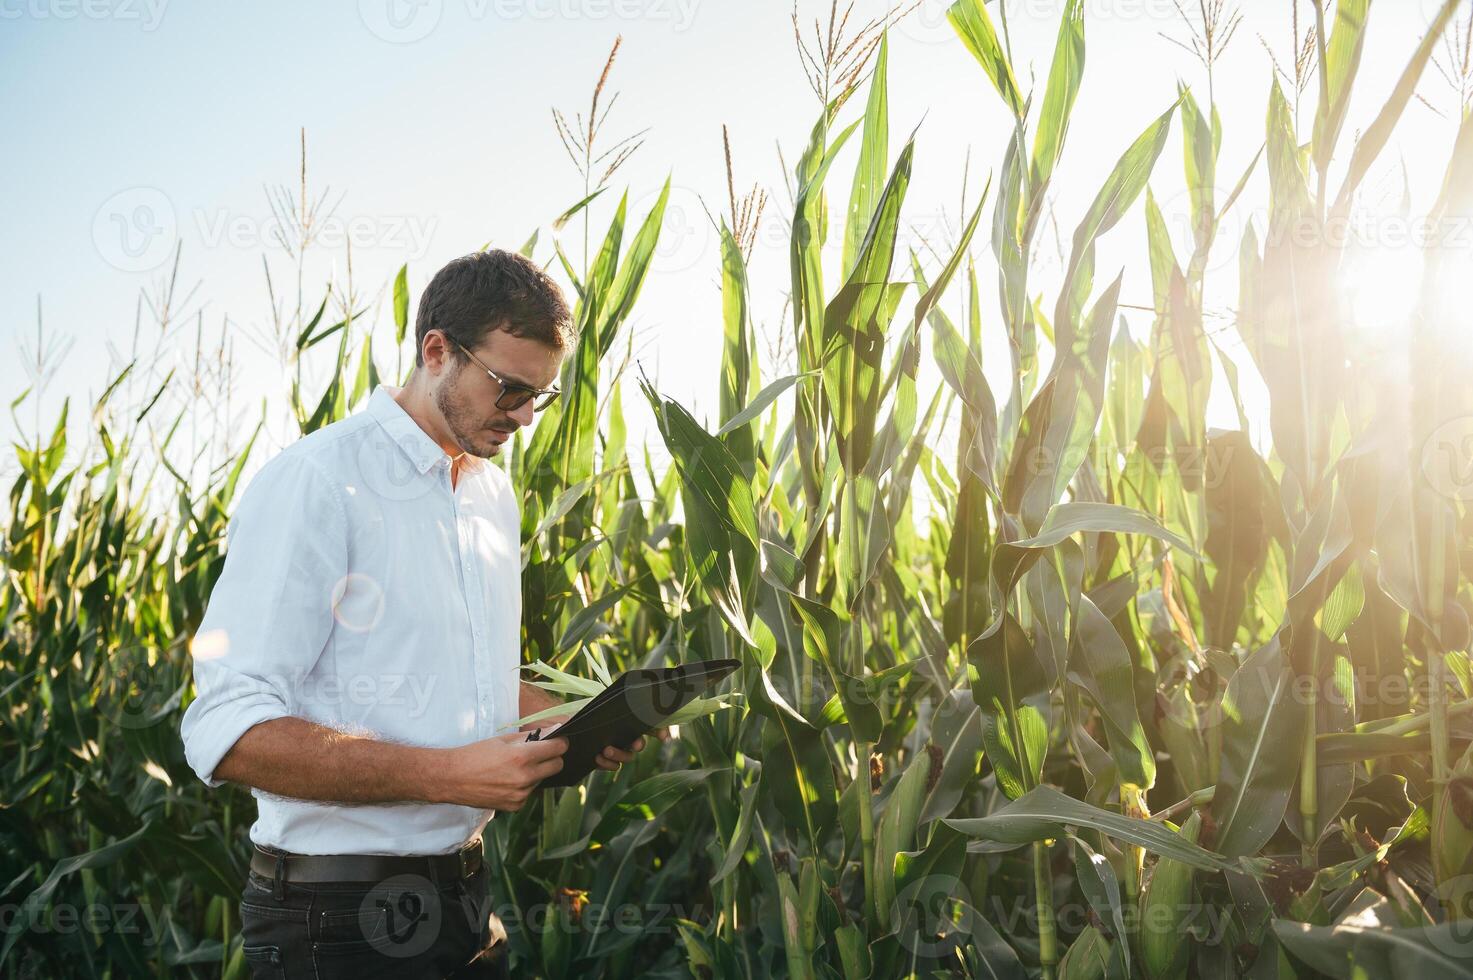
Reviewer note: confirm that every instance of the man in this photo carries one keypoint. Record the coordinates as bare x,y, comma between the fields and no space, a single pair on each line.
357,666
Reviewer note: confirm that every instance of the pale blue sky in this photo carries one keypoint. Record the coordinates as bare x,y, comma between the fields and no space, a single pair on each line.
132,125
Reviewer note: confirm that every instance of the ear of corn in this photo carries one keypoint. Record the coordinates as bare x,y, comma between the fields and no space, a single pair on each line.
1452,841
1167,908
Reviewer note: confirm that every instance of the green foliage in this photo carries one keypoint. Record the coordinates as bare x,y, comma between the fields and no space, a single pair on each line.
956,725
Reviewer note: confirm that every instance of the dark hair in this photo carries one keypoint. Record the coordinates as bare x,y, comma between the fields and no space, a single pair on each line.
493,290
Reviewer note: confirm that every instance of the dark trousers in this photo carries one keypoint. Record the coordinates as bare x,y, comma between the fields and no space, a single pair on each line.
403,927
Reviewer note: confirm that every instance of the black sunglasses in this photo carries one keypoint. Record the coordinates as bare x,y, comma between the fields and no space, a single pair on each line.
513,395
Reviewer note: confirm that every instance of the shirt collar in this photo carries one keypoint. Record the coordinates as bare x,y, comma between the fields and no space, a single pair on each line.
413,441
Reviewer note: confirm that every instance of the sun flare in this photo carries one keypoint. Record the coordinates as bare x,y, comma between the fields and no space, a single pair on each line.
1382,284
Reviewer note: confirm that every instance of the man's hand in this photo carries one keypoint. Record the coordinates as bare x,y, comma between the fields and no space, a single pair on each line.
500,773
611,758
533,699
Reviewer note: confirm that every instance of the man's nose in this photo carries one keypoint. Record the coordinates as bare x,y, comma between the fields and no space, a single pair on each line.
523,414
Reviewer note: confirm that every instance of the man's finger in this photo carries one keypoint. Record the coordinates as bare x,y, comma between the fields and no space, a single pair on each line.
547,767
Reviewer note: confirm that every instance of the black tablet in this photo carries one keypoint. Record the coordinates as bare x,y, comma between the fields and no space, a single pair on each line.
637,703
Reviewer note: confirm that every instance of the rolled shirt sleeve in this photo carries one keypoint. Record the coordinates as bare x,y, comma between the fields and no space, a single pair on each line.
270,614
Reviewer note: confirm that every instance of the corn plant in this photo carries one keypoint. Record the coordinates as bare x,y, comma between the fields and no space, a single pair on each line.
1119,695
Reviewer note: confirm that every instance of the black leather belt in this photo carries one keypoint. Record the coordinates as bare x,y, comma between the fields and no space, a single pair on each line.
438,868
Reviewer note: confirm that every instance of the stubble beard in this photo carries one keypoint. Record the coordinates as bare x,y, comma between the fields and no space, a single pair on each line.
466,426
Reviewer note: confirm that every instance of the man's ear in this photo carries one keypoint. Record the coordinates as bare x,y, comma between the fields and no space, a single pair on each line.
436,352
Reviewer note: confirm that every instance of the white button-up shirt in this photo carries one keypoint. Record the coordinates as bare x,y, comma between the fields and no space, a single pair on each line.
360,591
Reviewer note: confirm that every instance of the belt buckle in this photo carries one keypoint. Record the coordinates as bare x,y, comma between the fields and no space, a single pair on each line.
467,853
